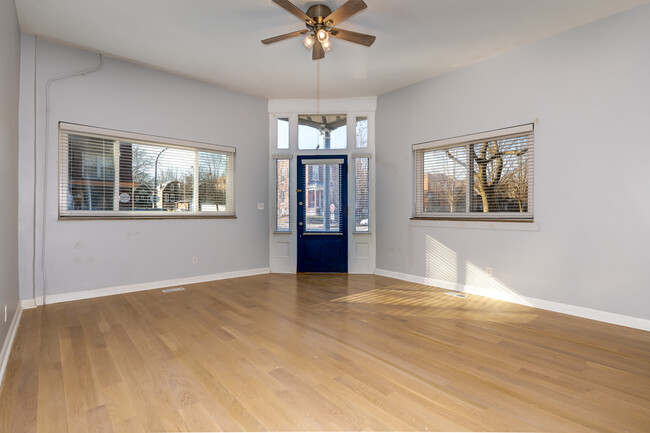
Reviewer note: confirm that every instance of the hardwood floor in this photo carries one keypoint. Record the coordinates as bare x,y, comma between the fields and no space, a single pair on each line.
320,352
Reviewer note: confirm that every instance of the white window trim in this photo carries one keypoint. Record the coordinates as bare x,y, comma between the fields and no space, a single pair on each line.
525,226
142,138
465,139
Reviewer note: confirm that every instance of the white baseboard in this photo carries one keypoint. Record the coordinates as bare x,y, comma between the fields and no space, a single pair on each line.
9,341
558,307
108,291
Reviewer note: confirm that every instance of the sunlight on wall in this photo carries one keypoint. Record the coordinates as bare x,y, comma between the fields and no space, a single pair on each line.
478,281
443,264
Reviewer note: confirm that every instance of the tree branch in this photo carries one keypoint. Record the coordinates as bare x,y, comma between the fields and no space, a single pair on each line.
452,157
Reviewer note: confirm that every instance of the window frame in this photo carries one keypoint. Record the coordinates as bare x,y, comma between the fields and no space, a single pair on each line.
118,136
288,158
357,146
324,149
277,133
354,158
465,142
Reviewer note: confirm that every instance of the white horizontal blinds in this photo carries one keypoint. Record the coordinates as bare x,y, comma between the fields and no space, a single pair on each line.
503,176
490,176
444,180
112,176
361,194
322,207
215,192
282,196
88,173
165,173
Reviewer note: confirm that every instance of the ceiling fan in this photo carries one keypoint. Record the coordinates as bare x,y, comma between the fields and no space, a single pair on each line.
320,21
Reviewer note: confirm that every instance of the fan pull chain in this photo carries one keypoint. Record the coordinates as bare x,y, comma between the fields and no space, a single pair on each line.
318,86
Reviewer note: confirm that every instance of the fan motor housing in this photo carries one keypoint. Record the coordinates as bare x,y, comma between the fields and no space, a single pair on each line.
318,12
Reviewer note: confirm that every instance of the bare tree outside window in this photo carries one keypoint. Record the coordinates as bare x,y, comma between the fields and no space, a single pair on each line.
496,164
486,177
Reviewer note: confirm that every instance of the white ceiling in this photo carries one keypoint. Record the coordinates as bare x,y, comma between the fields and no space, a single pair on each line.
218,41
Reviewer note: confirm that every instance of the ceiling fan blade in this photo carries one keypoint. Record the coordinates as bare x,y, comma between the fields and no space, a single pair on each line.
287,5
357,38
346,10
317,52
283,37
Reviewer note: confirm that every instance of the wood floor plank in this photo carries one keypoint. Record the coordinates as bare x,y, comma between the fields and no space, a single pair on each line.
52,416
19,394
318,353
75,403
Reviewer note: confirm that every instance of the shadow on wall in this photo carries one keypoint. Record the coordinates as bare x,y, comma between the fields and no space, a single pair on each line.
445,269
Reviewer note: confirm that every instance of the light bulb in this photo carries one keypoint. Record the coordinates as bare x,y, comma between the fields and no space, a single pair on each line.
322,36
308,41
327,46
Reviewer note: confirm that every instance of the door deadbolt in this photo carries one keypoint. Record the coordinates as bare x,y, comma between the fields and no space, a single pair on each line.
300,223
299,203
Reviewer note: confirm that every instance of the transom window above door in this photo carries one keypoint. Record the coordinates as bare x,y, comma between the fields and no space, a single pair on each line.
322,131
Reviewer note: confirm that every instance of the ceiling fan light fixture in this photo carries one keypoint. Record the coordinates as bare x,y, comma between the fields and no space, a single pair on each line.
320,21
322,35
308,41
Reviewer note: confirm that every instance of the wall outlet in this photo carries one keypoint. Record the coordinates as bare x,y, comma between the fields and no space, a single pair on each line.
488,270
260,206
195,259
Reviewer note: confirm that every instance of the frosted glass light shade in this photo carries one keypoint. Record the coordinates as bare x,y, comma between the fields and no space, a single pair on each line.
308,41
322,36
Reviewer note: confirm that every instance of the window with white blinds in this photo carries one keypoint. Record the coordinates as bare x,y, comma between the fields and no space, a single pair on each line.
282,195
361,194
106,173
481,176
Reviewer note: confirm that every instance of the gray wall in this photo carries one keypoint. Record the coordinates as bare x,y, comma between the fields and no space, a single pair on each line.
9,84
590,90
82,255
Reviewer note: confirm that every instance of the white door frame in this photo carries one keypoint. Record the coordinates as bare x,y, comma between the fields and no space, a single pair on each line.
283,245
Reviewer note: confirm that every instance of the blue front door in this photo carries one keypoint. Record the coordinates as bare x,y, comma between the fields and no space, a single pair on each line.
322,214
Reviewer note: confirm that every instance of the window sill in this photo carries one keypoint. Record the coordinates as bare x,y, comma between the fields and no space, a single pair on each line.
529,226
282,233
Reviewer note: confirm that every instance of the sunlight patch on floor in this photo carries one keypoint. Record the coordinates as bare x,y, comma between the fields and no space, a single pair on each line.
408,302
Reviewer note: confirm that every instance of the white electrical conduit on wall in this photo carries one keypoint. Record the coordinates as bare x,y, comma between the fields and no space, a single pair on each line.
47,128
